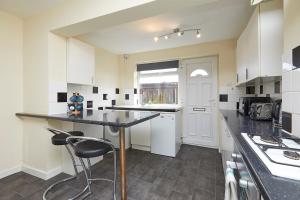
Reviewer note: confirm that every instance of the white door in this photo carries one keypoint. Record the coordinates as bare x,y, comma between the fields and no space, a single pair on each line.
200,102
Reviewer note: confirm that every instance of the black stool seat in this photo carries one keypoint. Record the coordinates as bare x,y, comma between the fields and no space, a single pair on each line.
90,149
60,139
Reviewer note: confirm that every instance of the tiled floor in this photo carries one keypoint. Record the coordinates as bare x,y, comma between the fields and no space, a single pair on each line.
195,174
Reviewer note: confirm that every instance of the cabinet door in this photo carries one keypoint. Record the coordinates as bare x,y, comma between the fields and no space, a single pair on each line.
252,46
80,62
271,31
140,135
163,141
240,53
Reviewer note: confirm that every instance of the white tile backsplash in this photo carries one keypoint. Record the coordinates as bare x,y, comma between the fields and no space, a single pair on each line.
54,87
234,93
87,92
295,80
296,125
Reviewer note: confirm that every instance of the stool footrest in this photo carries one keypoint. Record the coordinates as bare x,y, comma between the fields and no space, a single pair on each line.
100,179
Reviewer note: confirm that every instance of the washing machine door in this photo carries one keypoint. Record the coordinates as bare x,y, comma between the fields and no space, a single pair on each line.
112,134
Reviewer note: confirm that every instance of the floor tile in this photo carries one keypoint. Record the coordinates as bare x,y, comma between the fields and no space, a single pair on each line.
195,174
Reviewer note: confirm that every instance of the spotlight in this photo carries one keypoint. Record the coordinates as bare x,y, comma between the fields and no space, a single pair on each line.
156,39
166,37
198,34
180,33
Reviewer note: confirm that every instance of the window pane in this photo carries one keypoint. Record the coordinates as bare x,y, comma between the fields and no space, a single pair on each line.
159,87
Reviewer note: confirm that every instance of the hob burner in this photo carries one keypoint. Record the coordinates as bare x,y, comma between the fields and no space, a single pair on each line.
291,155
270,139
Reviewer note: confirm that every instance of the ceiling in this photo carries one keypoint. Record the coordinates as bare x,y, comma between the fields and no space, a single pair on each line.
219,20
27,8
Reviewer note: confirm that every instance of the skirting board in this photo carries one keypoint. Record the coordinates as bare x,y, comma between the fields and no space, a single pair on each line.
192,142
8,172
40,173
140,147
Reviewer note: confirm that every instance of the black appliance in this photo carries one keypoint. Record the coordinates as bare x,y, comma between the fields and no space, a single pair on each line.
296,57
245,103
261,111
276,113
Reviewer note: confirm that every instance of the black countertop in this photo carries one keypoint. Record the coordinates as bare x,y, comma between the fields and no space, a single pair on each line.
106,118
146,108
271,187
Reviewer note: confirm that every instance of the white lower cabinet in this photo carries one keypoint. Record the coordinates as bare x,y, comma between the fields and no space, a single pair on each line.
140,136
160,135
226,142
165,134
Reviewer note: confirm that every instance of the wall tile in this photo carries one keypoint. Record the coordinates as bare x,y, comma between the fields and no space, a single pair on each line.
295,80
294,102
296,125
287,102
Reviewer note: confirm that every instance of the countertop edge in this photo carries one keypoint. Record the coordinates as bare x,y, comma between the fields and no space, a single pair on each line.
248,163
45,116
145,109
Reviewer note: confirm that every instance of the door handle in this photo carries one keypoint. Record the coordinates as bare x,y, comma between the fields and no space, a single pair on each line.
199,109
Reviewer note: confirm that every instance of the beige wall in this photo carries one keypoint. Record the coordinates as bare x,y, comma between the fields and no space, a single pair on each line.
225,50
40,47
291,30
107,69
11,41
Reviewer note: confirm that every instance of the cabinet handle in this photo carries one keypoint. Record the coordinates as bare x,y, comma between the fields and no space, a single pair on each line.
237,78
246,73
246,184
199,109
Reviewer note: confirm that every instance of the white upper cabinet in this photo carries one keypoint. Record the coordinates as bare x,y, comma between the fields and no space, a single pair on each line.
80,62
259,48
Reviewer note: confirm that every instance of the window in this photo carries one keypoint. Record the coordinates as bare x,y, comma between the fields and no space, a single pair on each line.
158,86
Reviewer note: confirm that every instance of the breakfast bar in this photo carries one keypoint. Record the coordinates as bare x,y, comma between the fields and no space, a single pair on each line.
113,118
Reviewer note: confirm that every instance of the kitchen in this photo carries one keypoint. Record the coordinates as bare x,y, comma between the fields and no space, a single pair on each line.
180,102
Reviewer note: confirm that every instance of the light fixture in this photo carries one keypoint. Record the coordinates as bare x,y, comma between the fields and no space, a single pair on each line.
255,2
179,33
198,34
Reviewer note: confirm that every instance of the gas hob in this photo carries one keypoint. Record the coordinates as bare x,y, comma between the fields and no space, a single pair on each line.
281,155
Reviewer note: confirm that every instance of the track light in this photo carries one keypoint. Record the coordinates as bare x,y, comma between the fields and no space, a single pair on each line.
178,32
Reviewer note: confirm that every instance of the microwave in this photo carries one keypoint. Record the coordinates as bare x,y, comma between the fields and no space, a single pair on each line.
245,103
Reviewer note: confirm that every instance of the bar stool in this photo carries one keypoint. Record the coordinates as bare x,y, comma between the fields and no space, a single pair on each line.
59,139
88,147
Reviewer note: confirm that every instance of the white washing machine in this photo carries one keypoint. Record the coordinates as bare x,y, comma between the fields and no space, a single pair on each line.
112,134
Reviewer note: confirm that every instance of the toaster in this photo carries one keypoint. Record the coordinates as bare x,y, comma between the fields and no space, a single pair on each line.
261,111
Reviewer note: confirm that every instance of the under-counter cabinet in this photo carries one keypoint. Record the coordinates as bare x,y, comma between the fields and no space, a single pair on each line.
259,48
160,135
166,134
80,62
141,136
226,142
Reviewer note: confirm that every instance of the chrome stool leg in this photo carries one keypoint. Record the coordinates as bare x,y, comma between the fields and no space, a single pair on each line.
89,179
88,170
66,179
